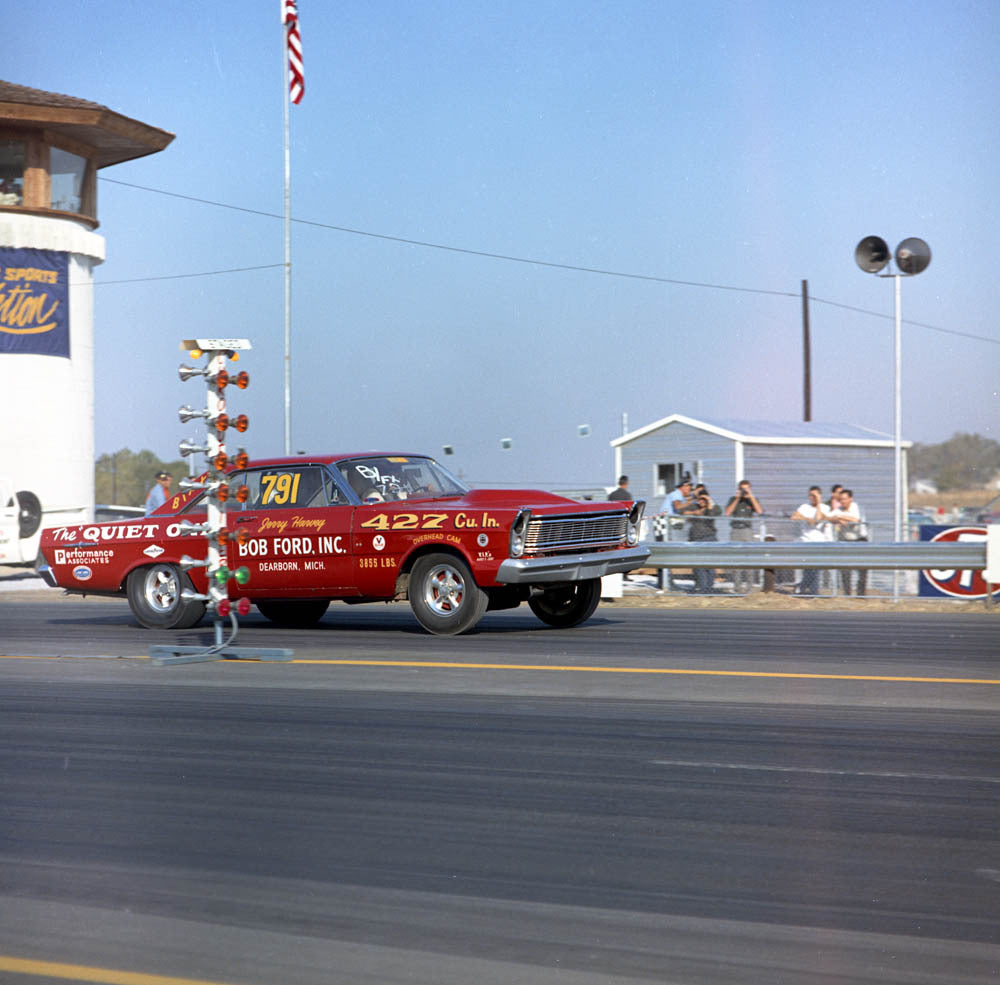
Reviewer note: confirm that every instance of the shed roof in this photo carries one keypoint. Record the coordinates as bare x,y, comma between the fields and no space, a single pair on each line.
113,137
773,432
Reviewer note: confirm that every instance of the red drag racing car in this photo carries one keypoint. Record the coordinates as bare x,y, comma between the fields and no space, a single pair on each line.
360,528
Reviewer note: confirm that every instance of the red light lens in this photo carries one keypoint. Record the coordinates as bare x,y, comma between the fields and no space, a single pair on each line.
243,607
223,607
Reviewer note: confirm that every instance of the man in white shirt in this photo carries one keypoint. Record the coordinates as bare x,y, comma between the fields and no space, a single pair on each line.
849,526
814,516
158,495
681,496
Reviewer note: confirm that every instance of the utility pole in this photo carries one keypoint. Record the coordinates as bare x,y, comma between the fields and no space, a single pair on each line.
806,356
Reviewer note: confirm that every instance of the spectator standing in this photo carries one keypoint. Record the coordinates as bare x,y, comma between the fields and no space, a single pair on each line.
814,515
157,496
680,496
850,526
674,506
622,491
834,501
703,529
745,506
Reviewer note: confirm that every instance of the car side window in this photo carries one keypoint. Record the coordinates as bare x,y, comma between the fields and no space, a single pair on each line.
334,496
281,488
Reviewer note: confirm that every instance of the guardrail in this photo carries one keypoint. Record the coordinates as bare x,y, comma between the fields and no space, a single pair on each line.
913,555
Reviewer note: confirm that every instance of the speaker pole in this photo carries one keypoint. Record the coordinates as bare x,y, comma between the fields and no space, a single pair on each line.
806,356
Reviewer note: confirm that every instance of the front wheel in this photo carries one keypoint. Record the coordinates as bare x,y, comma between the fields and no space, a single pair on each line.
444,596
154,595
567,605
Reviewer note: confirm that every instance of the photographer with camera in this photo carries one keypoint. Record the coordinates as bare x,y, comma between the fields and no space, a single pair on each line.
702,528
746,506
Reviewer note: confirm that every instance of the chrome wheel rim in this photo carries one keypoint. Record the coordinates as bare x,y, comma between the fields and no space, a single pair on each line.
444,590
161,589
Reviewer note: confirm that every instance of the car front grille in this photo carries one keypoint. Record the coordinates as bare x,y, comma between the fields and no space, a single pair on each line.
561,533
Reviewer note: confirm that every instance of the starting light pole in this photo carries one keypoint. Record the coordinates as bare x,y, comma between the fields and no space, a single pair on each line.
217,485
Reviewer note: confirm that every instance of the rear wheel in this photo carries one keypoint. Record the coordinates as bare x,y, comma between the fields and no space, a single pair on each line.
444,596
567,605
154,595
297,612
29,514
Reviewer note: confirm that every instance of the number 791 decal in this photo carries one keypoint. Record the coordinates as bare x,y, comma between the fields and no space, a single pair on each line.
280,489
406,521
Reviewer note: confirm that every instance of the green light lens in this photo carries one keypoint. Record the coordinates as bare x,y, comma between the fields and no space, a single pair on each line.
242,575
222,575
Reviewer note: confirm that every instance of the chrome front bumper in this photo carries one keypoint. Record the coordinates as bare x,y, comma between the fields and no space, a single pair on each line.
570,567
43,570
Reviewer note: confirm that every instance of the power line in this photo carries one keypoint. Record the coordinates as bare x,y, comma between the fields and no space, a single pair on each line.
918,324
458,249
507,257
203,273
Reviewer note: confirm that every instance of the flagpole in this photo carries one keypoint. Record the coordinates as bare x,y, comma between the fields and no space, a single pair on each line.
285,99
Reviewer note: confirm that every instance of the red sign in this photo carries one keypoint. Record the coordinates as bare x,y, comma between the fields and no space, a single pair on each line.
967,584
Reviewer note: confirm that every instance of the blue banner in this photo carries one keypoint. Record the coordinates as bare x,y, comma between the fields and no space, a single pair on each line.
34,302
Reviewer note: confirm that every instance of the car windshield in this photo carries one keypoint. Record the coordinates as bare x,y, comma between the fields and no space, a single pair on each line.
393,477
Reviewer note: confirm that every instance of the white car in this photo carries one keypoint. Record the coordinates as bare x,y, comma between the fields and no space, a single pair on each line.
20,524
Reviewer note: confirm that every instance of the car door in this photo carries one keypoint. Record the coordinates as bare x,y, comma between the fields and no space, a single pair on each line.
298,525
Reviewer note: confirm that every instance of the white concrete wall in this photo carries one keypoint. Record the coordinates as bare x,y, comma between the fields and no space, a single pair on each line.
47,402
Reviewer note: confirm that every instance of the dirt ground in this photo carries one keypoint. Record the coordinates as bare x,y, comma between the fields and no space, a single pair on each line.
775,601
640,592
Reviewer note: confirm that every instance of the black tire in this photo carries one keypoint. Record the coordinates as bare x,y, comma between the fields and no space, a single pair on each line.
567,605
29,514
295,612
154,595
444,596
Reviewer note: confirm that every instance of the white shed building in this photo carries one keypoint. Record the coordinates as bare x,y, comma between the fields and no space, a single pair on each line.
781,459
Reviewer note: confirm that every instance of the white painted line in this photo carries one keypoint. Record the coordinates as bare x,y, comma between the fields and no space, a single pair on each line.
750,767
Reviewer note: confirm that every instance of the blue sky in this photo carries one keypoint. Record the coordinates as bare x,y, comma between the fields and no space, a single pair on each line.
743,145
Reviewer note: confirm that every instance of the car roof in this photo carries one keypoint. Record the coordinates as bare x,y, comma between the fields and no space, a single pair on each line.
288,460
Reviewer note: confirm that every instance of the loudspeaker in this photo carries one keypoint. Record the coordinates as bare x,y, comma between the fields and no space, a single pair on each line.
913,256
872,254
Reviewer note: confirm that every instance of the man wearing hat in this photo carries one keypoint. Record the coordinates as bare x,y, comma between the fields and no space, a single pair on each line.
681,496
157,496
675,505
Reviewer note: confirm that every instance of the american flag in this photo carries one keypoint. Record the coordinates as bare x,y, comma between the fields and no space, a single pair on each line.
296,76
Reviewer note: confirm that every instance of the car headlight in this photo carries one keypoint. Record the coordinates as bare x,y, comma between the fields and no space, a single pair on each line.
517,531
635,522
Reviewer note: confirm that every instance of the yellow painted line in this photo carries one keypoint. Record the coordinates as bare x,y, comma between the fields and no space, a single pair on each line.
81,973
677,671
